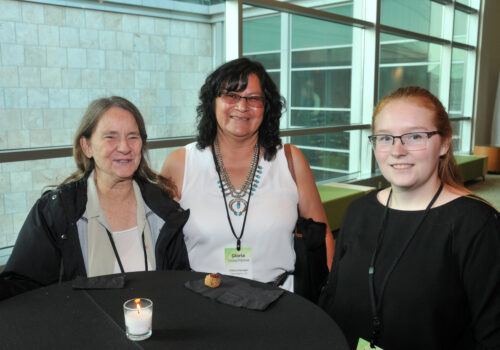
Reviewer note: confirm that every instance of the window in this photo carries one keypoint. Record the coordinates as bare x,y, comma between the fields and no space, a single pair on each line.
323,65
330,59
422,17
406,61
54,60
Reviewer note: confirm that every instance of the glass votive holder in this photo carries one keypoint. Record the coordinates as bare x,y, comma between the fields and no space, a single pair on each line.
138,318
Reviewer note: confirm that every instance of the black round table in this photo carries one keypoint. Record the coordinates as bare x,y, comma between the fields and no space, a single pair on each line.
59,317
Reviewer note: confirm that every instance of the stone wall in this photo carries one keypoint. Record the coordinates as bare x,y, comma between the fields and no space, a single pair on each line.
54,60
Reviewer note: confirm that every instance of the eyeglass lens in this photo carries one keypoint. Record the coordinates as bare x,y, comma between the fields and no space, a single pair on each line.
412,141
252,101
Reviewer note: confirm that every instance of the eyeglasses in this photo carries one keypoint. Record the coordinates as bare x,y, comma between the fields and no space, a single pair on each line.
413,141
252,101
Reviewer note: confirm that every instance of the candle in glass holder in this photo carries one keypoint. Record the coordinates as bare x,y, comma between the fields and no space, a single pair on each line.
138,318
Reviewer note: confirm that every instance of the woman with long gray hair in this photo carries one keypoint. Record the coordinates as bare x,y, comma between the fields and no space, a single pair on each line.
112,215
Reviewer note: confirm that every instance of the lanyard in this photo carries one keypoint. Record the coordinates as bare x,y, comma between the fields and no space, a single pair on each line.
376,305
117,256
217,168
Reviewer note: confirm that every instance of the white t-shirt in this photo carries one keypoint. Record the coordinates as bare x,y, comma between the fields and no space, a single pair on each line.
129,246
272,214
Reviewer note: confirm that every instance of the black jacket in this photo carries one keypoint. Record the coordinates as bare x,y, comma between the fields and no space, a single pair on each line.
48,249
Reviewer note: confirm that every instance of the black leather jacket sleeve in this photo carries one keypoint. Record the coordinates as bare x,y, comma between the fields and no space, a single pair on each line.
35,259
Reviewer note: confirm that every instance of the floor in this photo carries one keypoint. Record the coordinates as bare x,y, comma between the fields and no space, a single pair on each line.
488,189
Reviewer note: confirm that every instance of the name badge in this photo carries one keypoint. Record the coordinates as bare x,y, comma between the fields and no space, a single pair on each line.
238,262
365,345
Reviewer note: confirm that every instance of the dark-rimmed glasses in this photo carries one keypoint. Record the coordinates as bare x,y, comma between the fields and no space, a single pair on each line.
232,98
412,141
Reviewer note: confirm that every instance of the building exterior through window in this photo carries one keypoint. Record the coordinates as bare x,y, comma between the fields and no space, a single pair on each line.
332,60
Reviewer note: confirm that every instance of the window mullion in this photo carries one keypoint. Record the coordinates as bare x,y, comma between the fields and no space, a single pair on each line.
233,29
446,56
371,53
285,64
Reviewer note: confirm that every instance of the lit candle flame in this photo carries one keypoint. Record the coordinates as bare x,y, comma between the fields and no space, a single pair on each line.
138,305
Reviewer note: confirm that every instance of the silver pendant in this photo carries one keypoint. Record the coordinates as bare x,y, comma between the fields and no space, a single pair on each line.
238,206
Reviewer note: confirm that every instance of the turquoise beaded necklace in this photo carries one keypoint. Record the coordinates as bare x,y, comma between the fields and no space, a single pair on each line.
250,186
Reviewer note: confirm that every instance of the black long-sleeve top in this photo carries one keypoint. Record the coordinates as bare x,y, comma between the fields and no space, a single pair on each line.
445,291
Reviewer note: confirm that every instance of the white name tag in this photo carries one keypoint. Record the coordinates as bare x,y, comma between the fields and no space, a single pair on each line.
238,262
365,345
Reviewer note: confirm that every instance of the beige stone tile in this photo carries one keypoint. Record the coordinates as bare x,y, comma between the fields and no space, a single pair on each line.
78,98
77,58
69,37
29,76
158,80
54,15
58,98
35,56
3,139
4,182
39,138
147,61
113,21
26,34
114,60
162,26
74,17
11,10
146,25
20,181
12,54
89,38
50,77
124,41
90,78
15,202
7,32
162,62
107,40
15,98
94,19
32,119
38,98
32,13
6,226
131,61
187,45
48,35
204,31
130,23
177,28
71,78
57,57
141,43
11,119
9,77
96,59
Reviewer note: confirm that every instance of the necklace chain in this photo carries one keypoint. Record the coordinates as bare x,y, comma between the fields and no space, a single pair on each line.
238,205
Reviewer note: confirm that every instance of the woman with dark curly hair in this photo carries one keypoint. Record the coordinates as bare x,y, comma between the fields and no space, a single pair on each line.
236,182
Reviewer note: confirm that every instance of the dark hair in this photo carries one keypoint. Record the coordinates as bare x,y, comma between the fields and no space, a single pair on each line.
447,168
94,112
233,76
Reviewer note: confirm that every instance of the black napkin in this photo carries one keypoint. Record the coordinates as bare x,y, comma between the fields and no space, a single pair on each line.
99,282
235,292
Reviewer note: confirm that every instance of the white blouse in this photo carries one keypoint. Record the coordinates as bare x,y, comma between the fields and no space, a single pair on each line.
272,214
